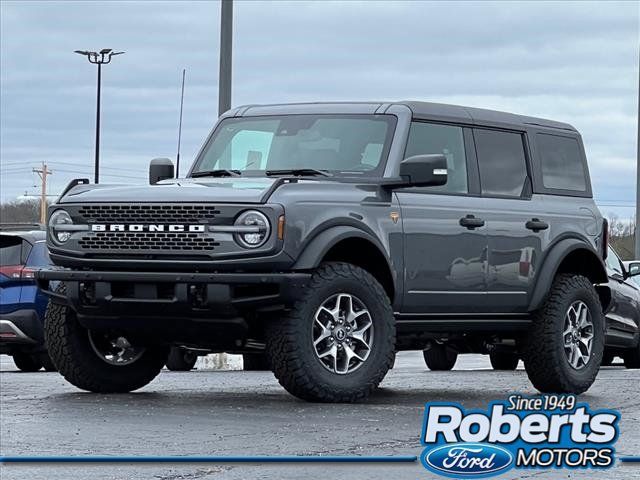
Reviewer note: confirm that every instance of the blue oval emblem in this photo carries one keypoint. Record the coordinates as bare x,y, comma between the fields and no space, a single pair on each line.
467,460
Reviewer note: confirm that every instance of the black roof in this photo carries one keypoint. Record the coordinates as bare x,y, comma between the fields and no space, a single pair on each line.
439,111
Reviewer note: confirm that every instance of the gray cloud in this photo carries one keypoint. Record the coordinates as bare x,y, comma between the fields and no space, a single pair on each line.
574,62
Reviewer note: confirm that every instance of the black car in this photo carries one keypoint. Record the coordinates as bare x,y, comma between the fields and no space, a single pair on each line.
23,250
623,318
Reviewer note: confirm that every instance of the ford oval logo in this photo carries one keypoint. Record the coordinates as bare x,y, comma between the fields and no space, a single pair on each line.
464,460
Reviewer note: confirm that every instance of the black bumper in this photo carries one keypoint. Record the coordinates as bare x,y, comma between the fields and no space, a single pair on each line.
161,294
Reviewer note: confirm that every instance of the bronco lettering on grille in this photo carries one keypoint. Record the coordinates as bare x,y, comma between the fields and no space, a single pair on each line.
120,227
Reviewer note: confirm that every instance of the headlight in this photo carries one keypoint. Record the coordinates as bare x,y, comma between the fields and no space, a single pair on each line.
59,218
257,229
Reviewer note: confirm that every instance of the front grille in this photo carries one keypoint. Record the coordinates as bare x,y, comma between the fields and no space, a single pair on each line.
148,241
148,213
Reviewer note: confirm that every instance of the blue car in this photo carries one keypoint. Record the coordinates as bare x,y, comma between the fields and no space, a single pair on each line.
22,304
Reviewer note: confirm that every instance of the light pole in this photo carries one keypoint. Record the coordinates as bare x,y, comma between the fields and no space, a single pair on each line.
98,58
226,40
637,256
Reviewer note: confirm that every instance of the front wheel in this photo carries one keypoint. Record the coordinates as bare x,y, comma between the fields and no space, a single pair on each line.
565,344
337,342
98,361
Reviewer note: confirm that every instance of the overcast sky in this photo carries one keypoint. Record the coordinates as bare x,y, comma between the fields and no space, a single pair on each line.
573,62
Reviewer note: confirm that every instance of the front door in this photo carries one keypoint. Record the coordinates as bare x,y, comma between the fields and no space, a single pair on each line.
445,242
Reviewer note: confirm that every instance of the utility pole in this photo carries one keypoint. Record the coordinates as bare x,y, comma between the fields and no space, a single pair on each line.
226,40
43,173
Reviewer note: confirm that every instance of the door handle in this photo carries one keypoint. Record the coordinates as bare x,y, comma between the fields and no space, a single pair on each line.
470,222
536,225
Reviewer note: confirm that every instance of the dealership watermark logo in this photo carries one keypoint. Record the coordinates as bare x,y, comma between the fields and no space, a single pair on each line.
540,432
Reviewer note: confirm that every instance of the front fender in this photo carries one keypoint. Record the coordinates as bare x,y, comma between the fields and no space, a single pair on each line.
315,250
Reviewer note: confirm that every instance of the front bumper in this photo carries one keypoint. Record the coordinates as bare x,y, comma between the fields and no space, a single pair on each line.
177,295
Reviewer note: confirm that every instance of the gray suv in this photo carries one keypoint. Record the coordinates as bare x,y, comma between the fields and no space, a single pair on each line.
323,238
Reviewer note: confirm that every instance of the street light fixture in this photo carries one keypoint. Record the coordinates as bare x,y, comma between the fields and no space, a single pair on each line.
98,58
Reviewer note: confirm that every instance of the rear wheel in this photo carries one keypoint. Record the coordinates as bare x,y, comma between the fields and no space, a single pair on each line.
98,361
337,342
181,359
26,362
504,360
565,344
255,362
440,358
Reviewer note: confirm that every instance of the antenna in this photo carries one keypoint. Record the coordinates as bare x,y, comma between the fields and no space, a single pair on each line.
180,126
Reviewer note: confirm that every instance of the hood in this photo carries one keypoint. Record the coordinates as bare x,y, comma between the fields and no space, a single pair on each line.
194,190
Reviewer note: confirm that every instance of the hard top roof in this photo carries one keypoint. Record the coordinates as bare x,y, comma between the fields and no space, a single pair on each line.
420,109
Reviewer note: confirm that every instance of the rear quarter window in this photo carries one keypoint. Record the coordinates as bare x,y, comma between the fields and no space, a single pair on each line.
561,162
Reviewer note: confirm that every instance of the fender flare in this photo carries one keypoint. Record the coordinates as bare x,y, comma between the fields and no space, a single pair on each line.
316,248
551,264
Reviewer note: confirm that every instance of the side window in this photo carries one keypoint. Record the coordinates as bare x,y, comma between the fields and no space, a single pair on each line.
448,140
502,163
561,160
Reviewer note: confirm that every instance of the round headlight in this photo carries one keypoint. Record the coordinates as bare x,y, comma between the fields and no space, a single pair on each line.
58,218
257,235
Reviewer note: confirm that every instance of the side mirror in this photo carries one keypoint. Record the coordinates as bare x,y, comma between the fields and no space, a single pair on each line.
424,170
634,269
160,169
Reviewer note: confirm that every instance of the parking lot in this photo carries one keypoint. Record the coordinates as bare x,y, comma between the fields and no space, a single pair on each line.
248,413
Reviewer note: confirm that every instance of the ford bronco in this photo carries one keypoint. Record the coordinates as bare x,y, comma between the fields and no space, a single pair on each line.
329,236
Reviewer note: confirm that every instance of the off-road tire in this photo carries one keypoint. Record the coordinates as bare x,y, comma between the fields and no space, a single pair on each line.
255,362
27,362
440,358
181,359
632,358
544,358
70,349
290,340
504,361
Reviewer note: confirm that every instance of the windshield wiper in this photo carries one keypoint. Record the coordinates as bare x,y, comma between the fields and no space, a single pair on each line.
223,172
299,172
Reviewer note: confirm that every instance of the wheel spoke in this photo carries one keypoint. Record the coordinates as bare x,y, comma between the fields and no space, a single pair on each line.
342,333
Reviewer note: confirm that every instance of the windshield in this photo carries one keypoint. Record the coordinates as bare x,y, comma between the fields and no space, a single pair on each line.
340,144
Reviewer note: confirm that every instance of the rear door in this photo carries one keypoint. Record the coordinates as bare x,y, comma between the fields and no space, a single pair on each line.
514,245
445,261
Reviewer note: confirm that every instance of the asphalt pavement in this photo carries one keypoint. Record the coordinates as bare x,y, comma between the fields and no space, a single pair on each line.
248,413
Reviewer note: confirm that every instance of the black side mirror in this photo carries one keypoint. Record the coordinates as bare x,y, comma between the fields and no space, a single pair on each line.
634,269
424,170
160,169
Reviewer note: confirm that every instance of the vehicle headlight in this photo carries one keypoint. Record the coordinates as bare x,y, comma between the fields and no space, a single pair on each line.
59,218
257,229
